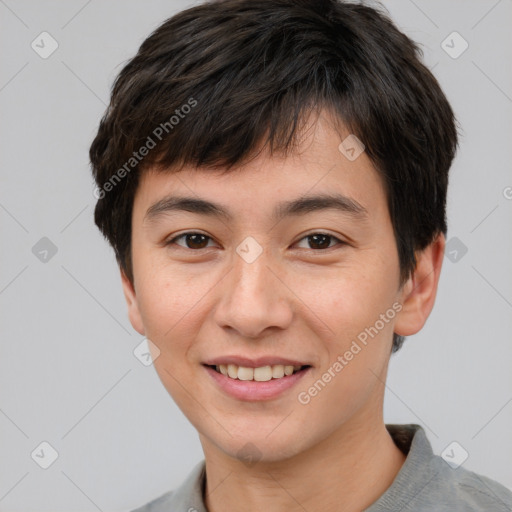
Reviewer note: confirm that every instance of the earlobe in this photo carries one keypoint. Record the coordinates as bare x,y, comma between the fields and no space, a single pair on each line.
419,292
132,303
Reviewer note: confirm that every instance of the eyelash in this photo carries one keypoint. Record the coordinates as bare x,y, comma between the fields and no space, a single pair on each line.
173,240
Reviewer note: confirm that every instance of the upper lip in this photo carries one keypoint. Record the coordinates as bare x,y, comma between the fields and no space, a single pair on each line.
257,362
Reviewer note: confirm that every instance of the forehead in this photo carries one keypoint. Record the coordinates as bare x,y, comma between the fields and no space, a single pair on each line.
268,184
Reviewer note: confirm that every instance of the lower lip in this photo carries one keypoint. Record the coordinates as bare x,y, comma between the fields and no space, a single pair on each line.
253,390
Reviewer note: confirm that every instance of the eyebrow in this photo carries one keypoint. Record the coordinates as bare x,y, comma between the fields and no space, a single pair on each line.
296,207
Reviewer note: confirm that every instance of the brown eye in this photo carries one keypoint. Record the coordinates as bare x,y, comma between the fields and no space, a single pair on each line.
198,241
192,240
319,241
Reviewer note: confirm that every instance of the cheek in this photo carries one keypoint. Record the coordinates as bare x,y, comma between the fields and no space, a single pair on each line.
357,305
355,358
170,304
165,289
351,300
166,301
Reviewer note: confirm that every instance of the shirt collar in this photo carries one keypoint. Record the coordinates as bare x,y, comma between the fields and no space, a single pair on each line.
411,439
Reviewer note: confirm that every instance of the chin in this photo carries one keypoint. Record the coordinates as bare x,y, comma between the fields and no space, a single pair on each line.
251,450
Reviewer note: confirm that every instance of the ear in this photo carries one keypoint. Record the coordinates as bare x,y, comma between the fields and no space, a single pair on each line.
419,292
133,306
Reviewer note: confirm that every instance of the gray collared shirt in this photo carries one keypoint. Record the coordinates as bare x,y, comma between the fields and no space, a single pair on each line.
424,483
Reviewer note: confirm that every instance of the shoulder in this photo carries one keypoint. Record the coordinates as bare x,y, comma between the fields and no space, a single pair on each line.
186,498
157,505
427,482
464,490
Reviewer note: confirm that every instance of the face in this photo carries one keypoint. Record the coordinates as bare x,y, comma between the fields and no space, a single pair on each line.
274,286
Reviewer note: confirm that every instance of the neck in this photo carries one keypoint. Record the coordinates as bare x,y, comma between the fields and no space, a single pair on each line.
347,471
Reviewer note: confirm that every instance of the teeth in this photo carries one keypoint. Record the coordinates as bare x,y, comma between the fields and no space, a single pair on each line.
245,373
233,371
261,374
277,371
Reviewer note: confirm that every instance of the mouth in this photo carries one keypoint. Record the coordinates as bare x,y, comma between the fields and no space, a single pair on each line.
258,374
255,379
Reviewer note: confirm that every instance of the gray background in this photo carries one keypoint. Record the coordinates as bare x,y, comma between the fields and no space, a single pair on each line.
68,374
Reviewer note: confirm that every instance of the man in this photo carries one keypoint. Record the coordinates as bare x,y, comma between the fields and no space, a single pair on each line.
272,176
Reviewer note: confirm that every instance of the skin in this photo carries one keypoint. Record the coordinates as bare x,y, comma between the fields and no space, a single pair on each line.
295,300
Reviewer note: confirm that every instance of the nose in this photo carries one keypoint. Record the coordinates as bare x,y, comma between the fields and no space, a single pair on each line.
254,297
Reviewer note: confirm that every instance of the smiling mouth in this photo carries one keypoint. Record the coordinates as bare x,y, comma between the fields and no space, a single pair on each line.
260,374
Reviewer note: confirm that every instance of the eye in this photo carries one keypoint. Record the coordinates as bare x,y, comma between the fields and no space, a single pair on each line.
197,241
320,241
192,239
